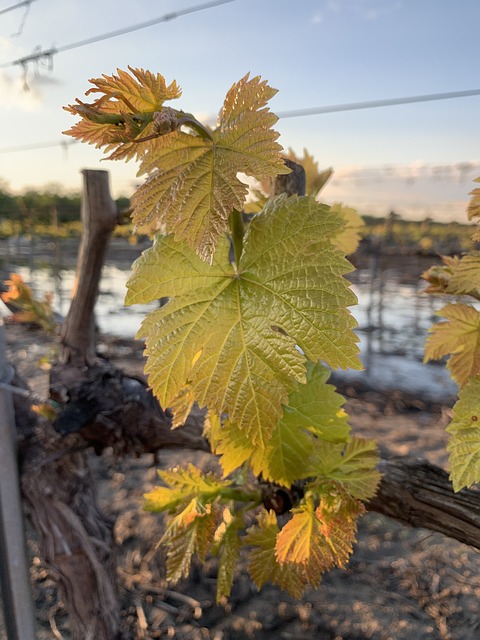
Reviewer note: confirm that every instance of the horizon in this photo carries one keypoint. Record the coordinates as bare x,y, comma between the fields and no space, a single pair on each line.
327,56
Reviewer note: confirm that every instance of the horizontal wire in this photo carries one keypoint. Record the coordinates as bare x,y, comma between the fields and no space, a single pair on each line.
372,104
48,53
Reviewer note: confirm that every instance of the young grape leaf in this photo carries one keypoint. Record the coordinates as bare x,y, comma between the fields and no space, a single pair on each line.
263,566
438,276
193,186
143,90
233,446
301,542
339,525
189,535
180,547
319,538
230,545
183,485
458,337
124,111
232,333
465,276
464,443
349,236
473,210
353,466
313,411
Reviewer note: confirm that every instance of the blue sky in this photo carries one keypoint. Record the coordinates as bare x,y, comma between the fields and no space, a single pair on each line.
419,159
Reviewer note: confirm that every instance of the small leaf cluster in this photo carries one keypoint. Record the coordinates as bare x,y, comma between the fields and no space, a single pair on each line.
27,308
458,337
253,315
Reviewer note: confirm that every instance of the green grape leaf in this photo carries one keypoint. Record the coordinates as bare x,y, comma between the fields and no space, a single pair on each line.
193,185
319,538
314,410
230,545
183,485
353,466
458,337
464,442
232,333
263,566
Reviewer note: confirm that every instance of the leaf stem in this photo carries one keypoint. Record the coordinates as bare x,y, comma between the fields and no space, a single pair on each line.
237,229
190,121
242,494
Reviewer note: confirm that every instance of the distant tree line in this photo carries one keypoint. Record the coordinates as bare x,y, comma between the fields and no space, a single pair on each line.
46,207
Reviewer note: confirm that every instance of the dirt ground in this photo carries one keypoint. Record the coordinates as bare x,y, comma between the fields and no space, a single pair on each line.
401,583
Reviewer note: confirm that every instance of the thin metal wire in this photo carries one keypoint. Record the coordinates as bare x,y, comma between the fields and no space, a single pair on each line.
16,6
373,104
48,53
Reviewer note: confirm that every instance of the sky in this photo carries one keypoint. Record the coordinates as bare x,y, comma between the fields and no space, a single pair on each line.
416,159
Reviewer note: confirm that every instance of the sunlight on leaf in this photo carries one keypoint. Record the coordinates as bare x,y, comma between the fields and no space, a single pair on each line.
464,442
458,337
263,566
193,185
290,277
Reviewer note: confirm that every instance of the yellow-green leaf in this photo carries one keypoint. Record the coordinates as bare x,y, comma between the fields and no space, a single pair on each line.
464,442
314,411
300,542
123,113
192,534
183,485
319,538
193,185
438,276
339,526
349,236
230,545
465,276
458,337
263,566
180,550
144,90
234,447
353,466
247,322
473,210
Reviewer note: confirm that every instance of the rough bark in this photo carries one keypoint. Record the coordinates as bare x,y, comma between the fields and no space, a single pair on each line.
420,494
99,218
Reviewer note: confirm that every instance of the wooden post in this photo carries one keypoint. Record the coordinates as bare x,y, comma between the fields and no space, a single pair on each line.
293,183
14,572
99,217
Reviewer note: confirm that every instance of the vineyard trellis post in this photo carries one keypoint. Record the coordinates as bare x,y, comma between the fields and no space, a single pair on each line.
14,572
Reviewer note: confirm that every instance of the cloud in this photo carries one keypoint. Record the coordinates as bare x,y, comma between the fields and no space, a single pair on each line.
16,96
373,10
317,19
